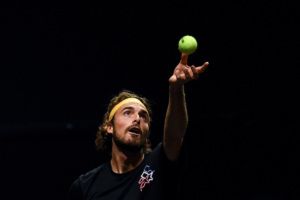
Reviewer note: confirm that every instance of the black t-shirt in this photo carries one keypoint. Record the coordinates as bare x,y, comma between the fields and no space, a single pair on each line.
155,178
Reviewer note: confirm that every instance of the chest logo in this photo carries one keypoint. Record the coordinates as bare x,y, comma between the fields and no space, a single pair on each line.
146,177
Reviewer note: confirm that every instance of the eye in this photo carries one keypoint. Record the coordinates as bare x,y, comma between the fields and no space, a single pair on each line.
144,116
127,112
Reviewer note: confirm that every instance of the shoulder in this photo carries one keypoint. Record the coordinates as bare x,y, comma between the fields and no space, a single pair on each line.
82,183
159,156
89,176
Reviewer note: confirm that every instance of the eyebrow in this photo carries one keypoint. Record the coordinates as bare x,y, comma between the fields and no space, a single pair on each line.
132,108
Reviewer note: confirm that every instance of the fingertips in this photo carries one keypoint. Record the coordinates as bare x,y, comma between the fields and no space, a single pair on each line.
205,65
202,68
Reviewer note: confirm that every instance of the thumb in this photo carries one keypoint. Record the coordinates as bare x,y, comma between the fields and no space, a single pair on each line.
172,79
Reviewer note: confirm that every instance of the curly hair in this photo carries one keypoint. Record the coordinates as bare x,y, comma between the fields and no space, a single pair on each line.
103,140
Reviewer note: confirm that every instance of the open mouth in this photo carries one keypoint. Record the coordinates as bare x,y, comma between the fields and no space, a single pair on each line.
135,130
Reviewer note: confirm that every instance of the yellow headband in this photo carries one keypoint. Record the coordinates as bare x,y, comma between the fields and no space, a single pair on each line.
125,101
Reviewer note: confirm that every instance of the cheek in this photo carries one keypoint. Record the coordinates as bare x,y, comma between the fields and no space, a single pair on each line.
146,128
121,125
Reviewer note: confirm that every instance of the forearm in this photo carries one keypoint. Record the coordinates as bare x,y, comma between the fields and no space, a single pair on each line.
176,121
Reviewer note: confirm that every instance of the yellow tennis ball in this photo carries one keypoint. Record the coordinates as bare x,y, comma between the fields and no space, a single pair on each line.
187,44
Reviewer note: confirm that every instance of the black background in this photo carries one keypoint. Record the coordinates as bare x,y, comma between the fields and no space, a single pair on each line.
63,60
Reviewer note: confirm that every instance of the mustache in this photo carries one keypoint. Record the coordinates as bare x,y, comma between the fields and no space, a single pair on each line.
135,128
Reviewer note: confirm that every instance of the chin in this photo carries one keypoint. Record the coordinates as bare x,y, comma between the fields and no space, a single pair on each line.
130,147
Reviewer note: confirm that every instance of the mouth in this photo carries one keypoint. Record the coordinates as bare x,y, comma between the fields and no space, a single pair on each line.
134,130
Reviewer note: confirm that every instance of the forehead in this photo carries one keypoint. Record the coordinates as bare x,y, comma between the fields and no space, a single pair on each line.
134,106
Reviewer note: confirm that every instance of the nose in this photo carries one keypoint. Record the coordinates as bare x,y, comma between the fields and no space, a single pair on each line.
137,118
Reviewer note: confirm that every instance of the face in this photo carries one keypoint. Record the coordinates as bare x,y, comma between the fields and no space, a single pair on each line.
130,127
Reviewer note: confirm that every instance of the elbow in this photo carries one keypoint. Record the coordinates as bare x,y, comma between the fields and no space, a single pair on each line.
172,148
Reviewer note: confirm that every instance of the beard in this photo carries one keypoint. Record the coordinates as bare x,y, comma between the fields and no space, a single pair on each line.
129,147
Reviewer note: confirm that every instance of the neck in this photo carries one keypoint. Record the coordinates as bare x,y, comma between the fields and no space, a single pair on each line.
122,162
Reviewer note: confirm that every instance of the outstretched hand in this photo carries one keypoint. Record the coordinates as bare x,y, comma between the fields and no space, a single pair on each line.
184,73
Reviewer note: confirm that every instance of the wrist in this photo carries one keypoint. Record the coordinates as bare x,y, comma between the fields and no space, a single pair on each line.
176,88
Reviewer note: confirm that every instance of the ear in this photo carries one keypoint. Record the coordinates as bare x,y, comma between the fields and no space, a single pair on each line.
109,128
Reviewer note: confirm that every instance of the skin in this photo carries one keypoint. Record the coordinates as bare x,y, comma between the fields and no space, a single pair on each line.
128,116
176,119
132,114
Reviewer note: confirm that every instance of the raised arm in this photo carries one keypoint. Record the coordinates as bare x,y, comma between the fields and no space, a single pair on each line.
176,119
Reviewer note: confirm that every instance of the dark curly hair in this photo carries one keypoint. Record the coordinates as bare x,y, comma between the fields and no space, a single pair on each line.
103,140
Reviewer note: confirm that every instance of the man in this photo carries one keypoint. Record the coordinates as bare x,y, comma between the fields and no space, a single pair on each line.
133,170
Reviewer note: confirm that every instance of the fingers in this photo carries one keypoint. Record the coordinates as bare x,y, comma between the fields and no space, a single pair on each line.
194,70
202,68
177,73
184,73
184,58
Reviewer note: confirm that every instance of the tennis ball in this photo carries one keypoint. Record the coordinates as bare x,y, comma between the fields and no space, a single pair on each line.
187,44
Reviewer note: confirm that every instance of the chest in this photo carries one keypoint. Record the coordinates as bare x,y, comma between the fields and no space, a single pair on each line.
145,181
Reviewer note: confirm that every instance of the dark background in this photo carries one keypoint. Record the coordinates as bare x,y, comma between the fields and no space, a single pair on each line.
61,62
